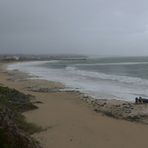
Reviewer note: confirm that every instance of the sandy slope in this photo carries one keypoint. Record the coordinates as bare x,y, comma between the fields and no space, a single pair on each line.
71,123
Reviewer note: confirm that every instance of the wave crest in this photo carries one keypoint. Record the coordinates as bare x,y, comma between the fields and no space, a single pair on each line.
103,76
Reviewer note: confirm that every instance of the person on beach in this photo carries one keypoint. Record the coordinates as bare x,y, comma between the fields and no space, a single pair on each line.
136,100
140,100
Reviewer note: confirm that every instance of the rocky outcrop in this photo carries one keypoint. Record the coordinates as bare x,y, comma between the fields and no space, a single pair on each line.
120,109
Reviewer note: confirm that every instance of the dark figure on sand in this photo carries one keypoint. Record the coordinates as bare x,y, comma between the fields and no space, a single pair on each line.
141,100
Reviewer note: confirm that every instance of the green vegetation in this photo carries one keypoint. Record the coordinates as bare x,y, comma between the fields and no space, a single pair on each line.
14,130
28,127
15,100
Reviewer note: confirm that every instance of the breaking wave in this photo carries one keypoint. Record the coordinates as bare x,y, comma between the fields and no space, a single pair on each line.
103,76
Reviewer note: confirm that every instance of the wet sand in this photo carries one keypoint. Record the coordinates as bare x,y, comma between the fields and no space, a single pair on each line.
72,123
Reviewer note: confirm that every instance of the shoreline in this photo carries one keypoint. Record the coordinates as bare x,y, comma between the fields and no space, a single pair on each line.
70,121
115,108
86,87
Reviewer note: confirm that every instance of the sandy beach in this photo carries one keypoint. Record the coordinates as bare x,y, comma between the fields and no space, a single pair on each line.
69,121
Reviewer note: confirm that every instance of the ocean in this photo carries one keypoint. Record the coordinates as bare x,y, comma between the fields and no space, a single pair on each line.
122,78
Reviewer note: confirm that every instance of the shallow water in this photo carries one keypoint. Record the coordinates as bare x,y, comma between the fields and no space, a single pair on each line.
108,78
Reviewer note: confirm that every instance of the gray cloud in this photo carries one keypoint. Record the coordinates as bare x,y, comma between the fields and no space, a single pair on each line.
105,27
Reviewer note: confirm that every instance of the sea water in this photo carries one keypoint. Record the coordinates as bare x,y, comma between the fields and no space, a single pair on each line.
122,78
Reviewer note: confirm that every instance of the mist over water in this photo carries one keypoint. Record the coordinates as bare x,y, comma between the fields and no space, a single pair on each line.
103,78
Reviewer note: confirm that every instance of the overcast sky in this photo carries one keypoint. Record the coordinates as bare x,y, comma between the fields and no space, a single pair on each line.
96,27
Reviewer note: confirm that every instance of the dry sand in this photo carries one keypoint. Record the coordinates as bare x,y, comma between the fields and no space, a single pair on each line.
71,123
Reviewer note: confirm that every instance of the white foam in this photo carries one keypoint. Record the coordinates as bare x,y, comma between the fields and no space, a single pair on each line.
103,76
98,85
119,63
